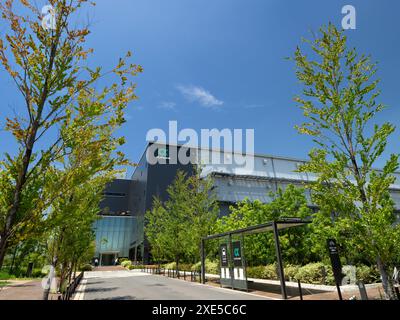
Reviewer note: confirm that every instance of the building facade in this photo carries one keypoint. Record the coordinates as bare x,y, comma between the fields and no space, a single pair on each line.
126,201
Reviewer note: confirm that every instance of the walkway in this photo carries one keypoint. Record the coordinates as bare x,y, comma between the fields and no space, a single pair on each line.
136,285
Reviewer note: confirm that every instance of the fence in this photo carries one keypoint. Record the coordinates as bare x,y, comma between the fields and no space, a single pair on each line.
194,276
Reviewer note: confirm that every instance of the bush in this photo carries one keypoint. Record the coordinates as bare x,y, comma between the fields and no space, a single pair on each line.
270,272
196,267
314,273
211,267
171,265
263,272
291,271
120,260
135,266
255,272
86,267
37,273
185,266
5,275
367,274
126,263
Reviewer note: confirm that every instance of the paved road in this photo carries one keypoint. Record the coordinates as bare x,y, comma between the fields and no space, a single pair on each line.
135,285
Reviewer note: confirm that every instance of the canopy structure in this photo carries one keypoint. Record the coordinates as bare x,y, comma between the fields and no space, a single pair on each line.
274,226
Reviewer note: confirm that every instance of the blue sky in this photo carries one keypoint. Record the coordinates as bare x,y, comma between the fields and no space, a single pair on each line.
221,64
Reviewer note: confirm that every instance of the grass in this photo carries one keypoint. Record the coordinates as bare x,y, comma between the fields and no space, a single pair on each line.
3,283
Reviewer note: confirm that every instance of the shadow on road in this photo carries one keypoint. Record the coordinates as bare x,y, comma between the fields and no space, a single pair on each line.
120,298
100,289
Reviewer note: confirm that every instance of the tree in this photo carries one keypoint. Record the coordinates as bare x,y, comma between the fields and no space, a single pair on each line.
175,227
260,248
50,71
340,102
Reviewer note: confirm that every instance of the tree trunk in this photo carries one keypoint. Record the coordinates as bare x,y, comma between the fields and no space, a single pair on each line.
13,260
386,281
3,247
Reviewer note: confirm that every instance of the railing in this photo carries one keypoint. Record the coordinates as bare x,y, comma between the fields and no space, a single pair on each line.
71,288
173,273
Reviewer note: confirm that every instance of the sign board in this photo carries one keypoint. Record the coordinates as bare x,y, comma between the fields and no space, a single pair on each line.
225,271
239,269
224,255
335,260
237,254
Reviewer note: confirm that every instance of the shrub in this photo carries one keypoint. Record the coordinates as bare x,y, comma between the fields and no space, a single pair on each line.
196,267
185,266
263,272
38,273
126,263
171,265
270,272
135,266
5,275
367,274
211,266
120,260
291,271
86,267
255,272
314,273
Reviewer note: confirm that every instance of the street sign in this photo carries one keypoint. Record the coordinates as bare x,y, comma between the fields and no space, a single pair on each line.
336,264
224,255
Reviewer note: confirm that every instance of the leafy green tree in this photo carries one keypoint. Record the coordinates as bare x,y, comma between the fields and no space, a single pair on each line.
175,228
259,248
340,102
49,69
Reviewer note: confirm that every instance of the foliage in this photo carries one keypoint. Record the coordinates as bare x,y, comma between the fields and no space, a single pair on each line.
291,271
175,227
126,264
367,274
171,265
211,266
63,99
260,248
135,266
86,267
314,273
339,101
120,260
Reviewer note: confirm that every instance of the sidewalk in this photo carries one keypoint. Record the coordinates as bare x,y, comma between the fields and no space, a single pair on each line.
24,290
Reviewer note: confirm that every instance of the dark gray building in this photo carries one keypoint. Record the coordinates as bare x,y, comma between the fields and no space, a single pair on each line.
120,232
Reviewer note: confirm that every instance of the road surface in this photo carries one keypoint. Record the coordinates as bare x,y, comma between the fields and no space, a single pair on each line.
137,285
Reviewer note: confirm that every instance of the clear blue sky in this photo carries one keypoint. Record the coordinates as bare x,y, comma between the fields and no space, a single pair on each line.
221,64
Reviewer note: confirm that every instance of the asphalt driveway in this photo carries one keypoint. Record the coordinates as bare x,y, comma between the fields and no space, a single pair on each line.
135,285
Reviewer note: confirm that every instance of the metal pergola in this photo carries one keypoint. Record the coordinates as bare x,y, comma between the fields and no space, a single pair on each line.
275,226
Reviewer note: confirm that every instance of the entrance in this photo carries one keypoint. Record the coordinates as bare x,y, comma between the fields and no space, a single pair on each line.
108,259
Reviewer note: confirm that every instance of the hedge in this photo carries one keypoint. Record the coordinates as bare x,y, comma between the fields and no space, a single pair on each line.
313,273
126,263
211,267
